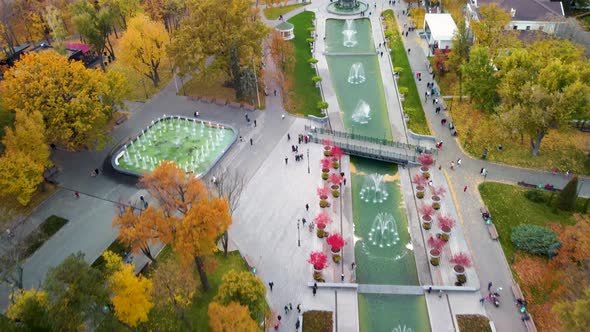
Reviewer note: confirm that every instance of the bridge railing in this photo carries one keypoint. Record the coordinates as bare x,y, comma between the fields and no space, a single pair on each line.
373,153
369,139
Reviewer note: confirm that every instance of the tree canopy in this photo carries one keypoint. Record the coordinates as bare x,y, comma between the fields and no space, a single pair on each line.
75,102
481,82
244,288
231,317
490,30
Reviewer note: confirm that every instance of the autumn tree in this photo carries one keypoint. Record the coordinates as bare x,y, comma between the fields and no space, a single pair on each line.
75,102
77,293
194,219
143,47
490,30
197,234
168,12
132,295
54,20
139,229
230,317
25,157
575,314
211,30
542,87
229,184
121,9
459,54
94,25
440,59
174,284
30,308
481,83
281,51
8,37
244,288
31,19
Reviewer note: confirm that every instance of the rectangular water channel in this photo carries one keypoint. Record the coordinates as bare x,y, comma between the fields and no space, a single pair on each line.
383,250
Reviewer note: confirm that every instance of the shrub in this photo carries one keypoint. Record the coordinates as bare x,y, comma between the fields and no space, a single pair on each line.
312,60
336,242
335,178
535,195
324,204
322,105
461,259
566,200
426,175
427,225
335,165
336,152
403,90
436,206
398,70
435,261
318,259
446,221
420,194
335,193
322,219
323,190
316,79
336,258
426,210
320,233
419,179
535,240
435,243
425,159
327,153
310,29
310,40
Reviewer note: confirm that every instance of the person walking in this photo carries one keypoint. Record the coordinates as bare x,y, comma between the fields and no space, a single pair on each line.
489,283
452,165
299,308
275,93
290,306
465,189
482,300
254,123
286,309
303,221
306,207
440,293
286,160
271,284
342,277
459,162
288,137
251,142
77,194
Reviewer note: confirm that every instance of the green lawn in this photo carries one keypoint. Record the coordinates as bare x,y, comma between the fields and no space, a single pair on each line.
274,12
412,102
585,21
49,227
303,95
473,323
509,208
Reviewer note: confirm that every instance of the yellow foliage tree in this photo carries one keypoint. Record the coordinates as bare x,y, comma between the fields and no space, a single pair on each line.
417,15
22,302
175,284
232,317
490,30
132,295
70,97
143,47
25,157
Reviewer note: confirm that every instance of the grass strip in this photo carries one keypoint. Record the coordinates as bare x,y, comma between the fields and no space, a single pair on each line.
304,95
411,103
473,323
274,12
49,227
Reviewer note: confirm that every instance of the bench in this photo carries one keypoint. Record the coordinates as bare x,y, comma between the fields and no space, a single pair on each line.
249,107
235,105
121,119
220,102
493,231
484,210
517,292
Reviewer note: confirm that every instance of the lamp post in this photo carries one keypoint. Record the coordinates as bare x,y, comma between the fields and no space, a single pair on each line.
298,235
308,161
256,82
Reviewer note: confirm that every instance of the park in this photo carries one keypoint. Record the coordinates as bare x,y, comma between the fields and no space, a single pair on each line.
282,165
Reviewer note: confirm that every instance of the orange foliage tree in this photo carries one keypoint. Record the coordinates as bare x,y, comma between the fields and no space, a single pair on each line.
233,317
192,220
139,229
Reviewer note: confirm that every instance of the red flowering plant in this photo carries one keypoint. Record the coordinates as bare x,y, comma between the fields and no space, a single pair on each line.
327,142
425,159
446,222
335,179
426,210
336,242
336,152
461,259
438,191
322,220
323,192
318,259
326,163
436,243
419,179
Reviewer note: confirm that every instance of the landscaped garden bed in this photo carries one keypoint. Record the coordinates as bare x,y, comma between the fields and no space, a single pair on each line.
473,323
49,227
317,321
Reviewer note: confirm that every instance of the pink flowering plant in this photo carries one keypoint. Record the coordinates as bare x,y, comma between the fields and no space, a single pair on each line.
318,259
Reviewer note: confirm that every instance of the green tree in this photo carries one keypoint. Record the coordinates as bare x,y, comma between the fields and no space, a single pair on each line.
94,25
211,29
575,314
54,19
244,288
481,83
77,293
566,200
121,9
459,54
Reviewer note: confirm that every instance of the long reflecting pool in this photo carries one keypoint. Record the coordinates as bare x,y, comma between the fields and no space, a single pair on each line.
393,313
383,250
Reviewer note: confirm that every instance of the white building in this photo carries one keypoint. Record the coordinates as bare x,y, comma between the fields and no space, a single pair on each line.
439,30
541,15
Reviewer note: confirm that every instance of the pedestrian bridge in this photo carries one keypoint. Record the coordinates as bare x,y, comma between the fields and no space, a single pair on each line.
371,147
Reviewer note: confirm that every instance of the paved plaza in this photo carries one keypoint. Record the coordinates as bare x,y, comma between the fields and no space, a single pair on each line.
265,228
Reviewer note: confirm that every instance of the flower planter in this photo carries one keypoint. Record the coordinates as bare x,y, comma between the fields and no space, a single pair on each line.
446,233
317,275
335,165
426,222
321,233
327,148
459,270
324,204
327,153
336,258
436,202
335,193
435,257
325,176
424,169
420,191
325,170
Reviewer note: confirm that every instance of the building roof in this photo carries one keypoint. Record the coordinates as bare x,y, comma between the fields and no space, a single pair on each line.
284,26
442,26
528,10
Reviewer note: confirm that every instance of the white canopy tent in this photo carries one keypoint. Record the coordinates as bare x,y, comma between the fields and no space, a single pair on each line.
439,30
